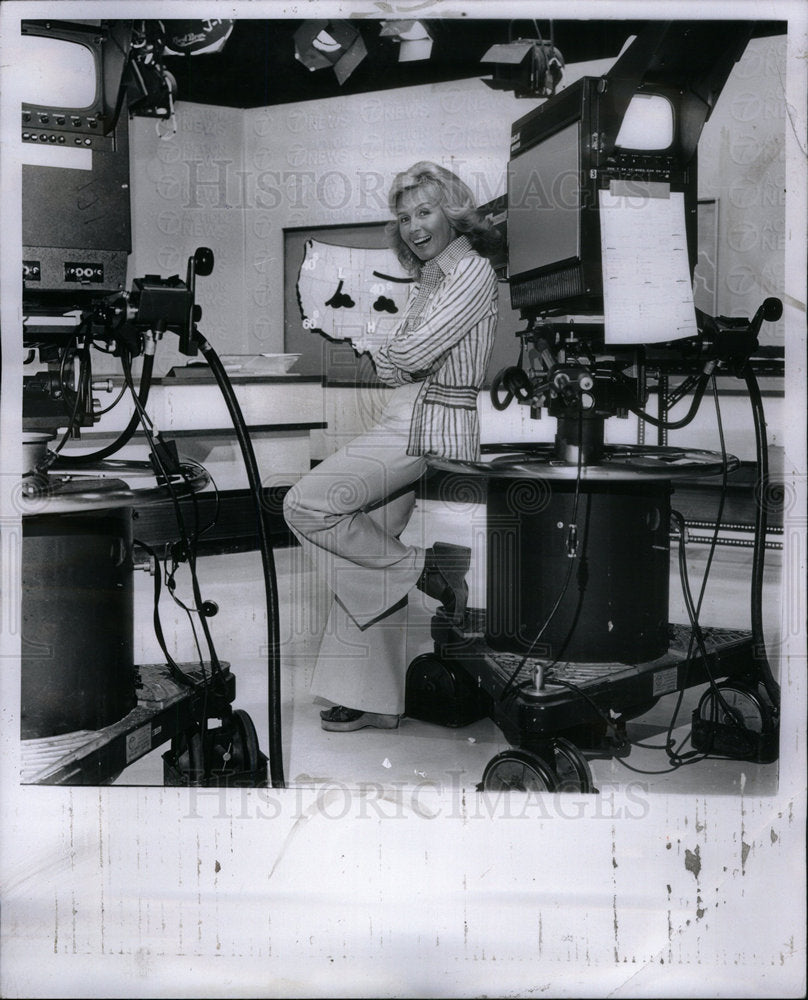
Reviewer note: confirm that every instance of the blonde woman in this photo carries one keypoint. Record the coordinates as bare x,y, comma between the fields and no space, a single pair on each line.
349,512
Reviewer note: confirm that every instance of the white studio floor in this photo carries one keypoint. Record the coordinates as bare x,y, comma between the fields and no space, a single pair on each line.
418,753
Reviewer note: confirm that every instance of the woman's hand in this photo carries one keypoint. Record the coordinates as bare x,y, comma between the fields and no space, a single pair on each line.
375,336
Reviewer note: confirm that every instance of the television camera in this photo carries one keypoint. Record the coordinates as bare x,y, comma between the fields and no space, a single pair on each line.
87,710
575,639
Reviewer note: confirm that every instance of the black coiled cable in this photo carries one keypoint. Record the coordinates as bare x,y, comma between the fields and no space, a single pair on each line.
673,425
126,434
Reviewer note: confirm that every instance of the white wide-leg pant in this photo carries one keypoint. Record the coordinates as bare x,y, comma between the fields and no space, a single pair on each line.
348,514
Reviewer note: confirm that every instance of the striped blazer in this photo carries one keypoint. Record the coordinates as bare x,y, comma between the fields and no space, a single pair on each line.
444,340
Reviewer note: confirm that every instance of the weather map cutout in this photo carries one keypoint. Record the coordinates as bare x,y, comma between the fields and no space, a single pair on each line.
346,292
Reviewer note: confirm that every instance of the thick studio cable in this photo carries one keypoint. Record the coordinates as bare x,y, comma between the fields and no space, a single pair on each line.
671,425
267,560
759,548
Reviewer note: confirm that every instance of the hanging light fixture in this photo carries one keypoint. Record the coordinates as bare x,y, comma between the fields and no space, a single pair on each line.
415,38
320,44
151,88
530,67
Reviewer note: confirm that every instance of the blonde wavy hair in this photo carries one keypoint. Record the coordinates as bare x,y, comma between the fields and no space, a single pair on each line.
457,203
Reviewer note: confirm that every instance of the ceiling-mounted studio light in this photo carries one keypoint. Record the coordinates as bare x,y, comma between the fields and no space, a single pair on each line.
529,67
150,87
319,44
414,36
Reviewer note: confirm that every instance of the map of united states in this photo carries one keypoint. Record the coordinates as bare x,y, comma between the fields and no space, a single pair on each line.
345,292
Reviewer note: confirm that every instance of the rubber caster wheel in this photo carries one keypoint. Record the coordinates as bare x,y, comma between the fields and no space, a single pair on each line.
572,768
233,747
248,752
735,704
518,771
737,720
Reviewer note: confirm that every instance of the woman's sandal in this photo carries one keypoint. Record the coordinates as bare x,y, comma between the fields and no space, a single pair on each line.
345,720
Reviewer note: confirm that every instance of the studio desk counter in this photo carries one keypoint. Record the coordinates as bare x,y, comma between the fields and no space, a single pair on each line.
280,412
293,420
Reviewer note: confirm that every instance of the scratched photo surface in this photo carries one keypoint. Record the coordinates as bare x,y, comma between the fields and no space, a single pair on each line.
589,783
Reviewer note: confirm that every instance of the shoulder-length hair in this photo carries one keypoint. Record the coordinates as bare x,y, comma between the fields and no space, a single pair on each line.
456,201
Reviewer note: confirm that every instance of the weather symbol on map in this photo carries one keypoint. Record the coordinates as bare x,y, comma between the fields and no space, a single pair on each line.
339,299
383,304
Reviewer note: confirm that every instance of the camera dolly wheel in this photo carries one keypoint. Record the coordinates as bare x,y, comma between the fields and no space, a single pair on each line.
736,719
226,755
559,767
571,767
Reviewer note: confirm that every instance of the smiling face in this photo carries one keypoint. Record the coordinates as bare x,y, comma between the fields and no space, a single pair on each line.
422,223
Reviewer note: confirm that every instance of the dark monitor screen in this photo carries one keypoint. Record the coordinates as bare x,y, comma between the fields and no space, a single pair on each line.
544,203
